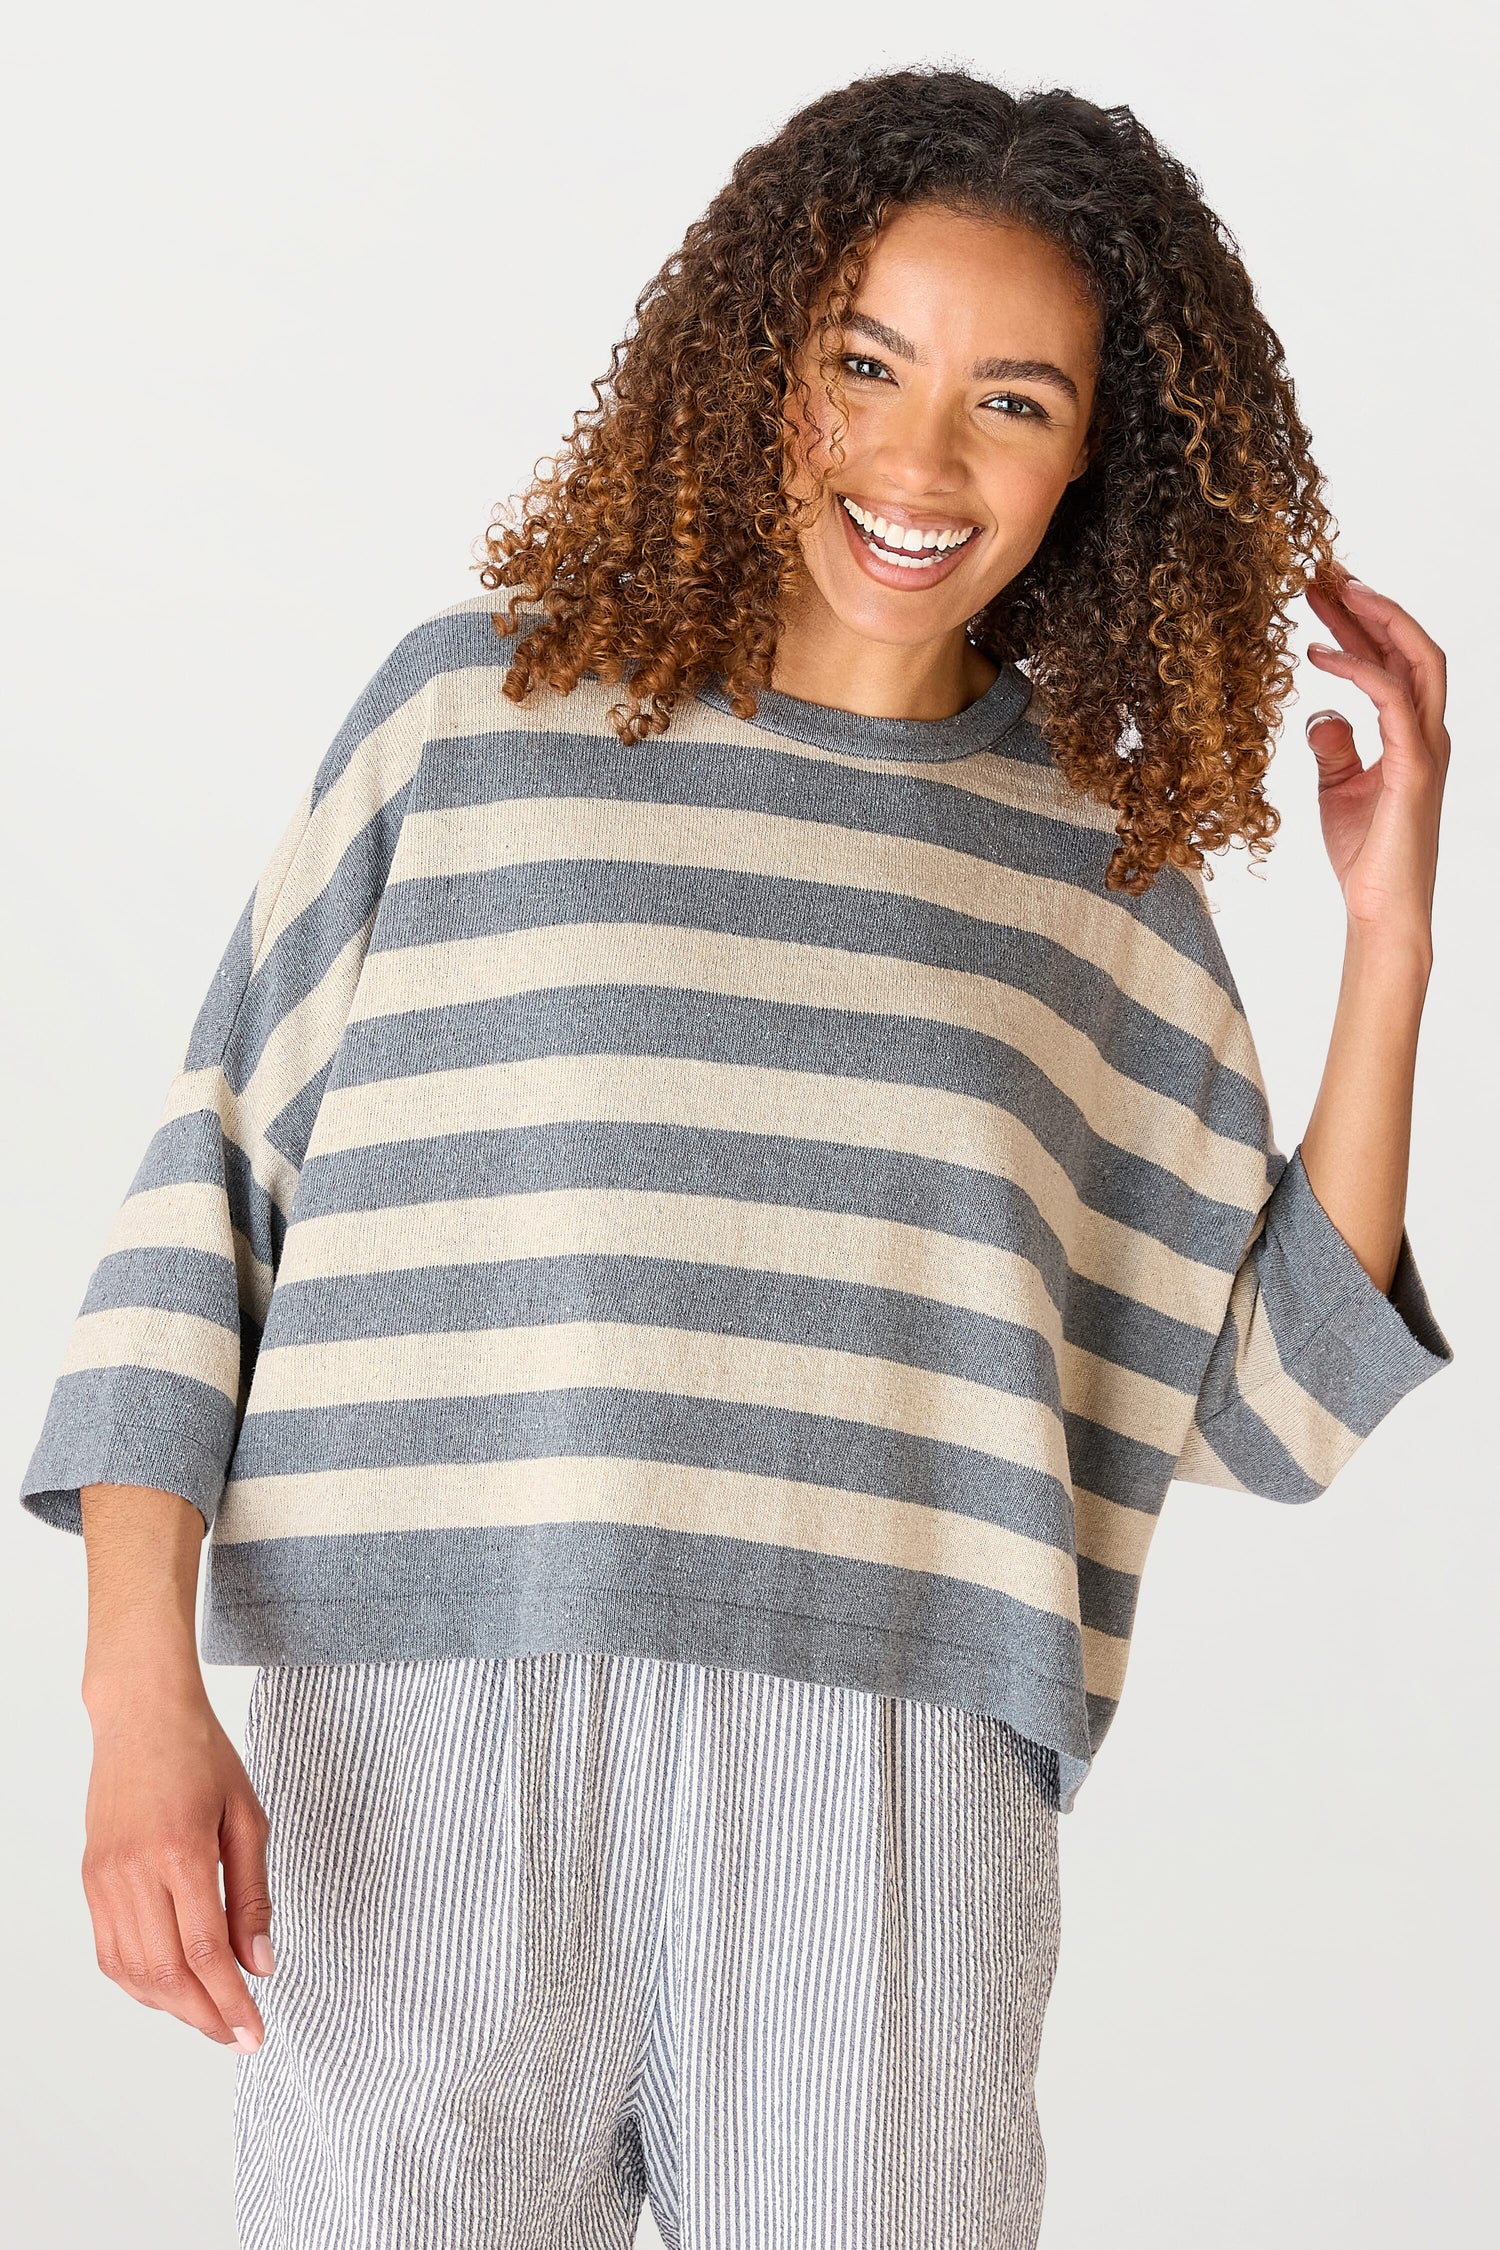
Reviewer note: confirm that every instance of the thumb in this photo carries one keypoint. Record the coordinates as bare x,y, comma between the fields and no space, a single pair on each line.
1330,737
247,1897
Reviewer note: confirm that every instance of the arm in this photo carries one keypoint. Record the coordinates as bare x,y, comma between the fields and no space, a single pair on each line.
169,1800
1327,1324
143,1420
1380,826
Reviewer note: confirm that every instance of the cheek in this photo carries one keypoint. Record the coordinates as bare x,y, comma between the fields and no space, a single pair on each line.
1023,496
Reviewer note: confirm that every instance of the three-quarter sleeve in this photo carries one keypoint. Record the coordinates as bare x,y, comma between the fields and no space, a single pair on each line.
1311,1355
157,1368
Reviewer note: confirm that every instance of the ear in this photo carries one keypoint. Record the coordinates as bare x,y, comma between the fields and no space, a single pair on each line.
1086,453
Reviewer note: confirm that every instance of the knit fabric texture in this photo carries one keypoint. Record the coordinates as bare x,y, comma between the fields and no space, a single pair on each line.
752,1197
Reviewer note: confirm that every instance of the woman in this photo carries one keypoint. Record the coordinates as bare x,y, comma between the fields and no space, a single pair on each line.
722,1175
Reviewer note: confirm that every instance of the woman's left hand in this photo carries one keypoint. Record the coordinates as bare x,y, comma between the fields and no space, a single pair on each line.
1380,822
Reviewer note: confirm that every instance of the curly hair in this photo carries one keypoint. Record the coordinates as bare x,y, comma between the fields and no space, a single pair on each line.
659,543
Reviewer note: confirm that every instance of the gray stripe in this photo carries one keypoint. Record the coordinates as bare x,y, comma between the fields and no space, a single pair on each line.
290,1129
193,1149
1307,1273
216,1015
1104,1460
1141,1045
499,1590
558,1932
645,1020
680,1293
129,1425
437,645
169,1279
1251,1452
301,955
753,1168
982,725
657,1426
489,769
1106,1598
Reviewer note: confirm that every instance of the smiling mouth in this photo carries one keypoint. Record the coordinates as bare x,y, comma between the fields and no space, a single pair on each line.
904,546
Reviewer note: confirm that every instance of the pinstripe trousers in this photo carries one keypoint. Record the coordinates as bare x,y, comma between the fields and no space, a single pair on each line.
559,1932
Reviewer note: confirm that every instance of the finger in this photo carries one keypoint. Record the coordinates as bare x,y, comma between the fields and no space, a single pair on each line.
154,1967
1395,629
203,1938
1400,734
117,1940
1341,621
1330,737
174,1967
247,1896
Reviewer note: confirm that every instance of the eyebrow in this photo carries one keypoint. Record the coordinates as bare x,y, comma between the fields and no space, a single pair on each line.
983,371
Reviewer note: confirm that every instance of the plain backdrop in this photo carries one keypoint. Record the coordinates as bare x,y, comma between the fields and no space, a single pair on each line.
294,294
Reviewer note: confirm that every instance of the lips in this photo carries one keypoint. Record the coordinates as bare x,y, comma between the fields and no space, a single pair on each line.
884,556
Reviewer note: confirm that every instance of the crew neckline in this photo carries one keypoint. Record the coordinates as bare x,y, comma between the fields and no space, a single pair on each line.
979,726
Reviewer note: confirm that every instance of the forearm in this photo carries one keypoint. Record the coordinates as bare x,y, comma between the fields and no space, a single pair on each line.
1357,1143
143,1548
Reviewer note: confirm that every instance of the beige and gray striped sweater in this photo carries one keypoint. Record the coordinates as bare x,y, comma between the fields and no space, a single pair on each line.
754,1197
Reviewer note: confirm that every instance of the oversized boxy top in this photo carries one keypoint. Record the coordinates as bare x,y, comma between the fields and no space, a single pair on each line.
751,1197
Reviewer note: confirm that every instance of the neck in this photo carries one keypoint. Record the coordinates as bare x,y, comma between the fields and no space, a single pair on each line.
822,660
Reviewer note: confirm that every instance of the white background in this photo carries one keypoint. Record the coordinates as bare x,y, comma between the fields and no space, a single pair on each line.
296,293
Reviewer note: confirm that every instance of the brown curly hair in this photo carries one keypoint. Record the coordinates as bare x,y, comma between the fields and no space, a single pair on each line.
658,544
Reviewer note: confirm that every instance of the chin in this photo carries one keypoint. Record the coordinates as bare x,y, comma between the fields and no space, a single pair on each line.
896,620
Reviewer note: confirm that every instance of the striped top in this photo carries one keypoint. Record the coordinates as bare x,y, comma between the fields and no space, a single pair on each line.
750,1197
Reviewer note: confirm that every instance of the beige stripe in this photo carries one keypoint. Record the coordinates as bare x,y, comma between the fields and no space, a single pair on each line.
209,1090
1118,1398
305,1039
1121,1111
799,1105
187,1215
515,832
875,1253
1109,1533
465,701
275,873
714,1230
192,1215
776,1511
1199,1464
381,765
1104,1661
684,1363
168,1342
1314,1436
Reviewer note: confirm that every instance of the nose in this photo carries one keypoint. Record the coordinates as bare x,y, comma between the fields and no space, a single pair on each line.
920,450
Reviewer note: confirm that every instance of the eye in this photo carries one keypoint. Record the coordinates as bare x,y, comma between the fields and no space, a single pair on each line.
859,364
1015,402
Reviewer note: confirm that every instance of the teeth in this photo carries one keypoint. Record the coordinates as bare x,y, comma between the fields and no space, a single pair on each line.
903,544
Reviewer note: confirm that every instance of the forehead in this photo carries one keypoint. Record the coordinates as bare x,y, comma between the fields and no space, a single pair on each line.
979,287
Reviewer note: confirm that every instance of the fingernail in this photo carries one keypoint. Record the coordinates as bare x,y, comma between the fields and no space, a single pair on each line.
263,1957
1317,719
1358,584
245,2039
1321,648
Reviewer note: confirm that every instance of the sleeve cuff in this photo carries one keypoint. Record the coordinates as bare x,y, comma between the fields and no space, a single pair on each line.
87,1439
1359,1349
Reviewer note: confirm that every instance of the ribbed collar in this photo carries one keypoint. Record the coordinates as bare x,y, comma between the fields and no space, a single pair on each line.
978,727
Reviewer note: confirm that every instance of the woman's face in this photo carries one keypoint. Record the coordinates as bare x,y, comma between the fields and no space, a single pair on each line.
968,365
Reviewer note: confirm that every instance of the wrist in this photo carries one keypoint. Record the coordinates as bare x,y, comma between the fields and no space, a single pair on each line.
1395,955
124,1673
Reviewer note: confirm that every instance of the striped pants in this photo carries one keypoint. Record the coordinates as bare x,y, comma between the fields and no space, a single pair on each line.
559,1932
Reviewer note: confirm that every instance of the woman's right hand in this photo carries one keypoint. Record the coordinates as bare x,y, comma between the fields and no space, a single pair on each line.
169,1803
